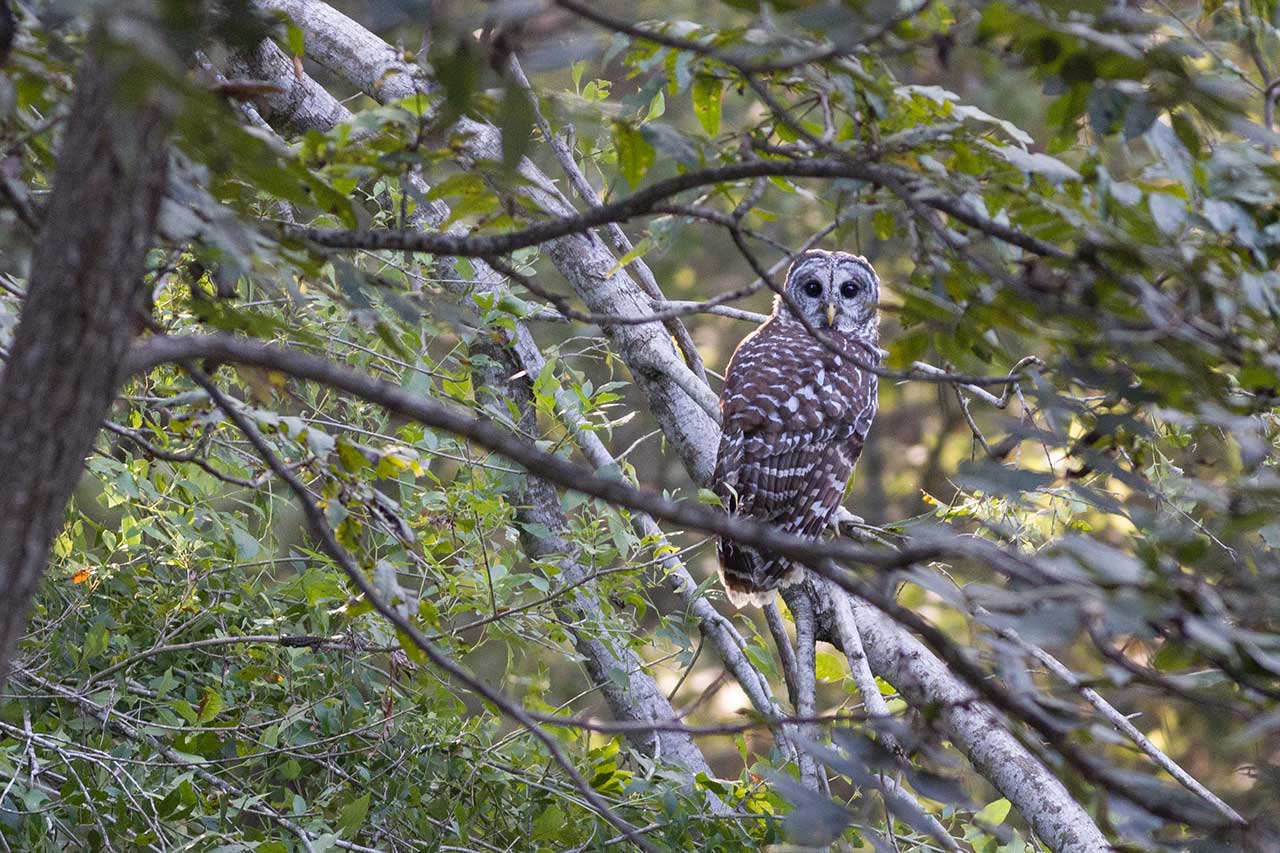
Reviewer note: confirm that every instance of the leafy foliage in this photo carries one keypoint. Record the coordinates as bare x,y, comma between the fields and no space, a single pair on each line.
1090,185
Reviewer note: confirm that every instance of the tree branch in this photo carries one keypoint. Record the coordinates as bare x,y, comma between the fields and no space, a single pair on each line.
1122,724
645,201
83,306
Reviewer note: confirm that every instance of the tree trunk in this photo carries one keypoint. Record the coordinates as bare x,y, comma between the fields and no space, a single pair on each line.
84,304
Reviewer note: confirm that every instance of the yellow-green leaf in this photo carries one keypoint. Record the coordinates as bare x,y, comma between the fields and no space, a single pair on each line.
351,457
297,40
640,248
707,94
210,707
635,154
993,814
829,667
352,816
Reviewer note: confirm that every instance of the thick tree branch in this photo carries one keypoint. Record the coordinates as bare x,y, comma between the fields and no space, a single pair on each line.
723,635
537,503
84,304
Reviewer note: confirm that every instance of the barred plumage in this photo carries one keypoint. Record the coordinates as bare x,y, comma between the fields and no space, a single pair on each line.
796,414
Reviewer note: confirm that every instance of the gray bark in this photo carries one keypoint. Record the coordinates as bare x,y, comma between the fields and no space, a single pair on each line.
925,682
84,305
614,668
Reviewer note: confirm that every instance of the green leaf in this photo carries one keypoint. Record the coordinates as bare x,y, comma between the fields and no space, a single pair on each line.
763,658
707,92
637,251
459,76
324,842
352,458
657,107
95,641
184,709
352,817
247,545
517,117
884,223
635,154
994,813
296,39
209,707
829,667
549,824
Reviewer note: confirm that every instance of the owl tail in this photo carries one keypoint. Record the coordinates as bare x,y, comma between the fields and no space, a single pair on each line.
750,577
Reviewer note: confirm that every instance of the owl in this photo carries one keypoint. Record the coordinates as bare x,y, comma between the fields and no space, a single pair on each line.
796,414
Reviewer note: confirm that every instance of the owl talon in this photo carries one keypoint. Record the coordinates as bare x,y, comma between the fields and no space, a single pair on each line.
843,516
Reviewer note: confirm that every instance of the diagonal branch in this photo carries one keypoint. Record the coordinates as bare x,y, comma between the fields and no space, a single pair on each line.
643,275
1122,724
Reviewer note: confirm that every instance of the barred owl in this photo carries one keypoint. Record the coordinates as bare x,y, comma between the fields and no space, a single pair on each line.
796,414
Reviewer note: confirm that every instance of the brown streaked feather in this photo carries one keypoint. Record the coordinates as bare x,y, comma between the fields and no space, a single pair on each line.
795,419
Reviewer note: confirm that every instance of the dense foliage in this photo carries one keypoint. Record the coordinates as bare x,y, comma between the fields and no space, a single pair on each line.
1080,196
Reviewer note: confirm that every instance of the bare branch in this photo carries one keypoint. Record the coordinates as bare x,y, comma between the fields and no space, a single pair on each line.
898,798
646,200
1122,724
806,681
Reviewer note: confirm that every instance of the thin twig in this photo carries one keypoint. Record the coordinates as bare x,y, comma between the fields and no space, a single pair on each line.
1122,724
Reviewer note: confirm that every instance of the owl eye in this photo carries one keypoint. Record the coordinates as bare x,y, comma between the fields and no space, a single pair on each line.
849,289
811,288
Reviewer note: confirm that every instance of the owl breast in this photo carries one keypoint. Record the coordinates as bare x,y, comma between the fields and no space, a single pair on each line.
795,415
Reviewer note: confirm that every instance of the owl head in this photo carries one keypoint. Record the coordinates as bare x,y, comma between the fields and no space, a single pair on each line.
834,290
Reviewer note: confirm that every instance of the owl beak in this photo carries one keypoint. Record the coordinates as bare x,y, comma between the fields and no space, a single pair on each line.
831,314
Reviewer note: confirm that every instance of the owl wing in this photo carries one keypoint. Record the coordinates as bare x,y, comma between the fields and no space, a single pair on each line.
795,419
